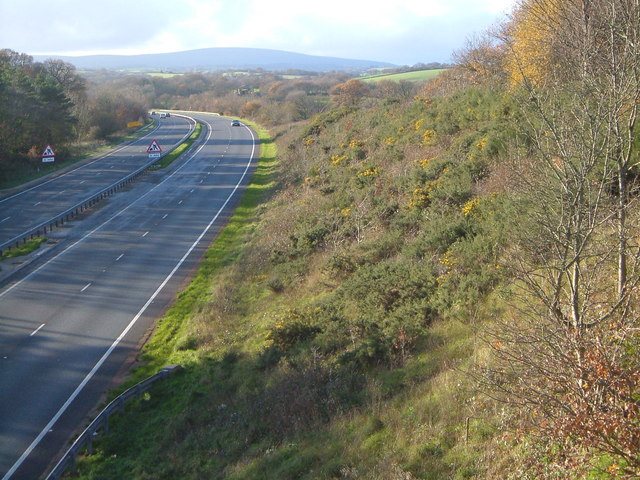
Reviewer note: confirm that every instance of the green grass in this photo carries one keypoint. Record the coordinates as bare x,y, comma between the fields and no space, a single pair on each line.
259,396
225,249
417,76
180,149
25,249
163,74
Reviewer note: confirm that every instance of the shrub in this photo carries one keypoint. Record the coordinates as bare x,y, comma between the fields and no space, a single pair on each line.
291,328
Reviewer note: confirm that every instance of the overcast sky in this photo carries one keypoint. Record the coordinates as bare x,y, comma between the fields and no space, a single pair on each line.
403,32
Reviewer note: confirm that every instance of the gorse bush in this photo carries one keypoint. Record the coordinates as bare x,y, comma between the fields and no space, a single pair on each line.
349,300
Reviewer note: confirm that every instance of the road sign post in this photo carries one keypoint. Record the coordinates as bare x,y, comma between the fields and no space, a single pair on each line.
154,149
48,155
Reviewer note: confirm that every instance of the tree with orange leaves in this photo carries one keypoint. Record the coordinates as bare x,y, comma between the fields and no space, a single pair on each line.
569,357
349,93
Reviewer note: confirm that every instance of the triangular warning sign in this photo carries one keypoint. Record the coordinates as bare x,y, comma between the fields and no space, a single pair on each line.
154,147
48,152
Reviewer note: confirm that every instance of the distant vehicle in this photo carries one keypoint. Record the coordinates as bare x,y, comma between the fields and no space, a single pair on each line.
163,115
235,123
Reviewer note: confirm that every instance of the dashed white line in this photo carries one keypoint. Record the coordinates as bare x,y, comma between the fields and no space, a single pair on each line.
121,255
36,204
180,202
71,171
82,182
36,330
192,190
145,234
165,216
4,219
117,341
85,287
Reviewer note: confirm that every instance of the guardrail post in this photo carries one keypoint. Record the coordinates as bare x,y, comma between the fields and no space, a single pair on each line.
86,204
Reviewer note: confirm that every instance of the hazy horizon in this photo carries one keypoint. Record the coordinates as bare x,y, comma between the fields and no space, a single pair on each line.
403,33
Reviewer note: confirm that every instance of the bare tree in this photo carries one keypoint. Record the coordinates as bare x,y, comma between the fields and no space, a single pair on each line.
565,356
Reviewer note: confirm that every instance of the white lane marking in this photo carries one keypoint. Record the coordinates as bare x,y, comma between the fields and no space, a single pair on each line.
4,219
121,255
192,190
145,234
85,287
75,169
36,204
165,216
82,182
117,341
180,202
36,330
202,180
115,215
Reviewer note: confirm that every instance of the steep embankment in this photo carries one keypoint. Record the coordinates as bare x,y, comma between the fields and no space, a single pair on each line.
327,333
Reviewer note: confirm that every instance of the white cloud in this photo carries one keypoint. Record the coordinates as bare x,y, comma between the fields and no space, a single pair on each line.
401,31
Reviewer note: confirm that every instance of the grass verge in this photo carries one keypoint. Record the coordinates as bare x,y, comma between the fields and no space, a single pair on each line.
25,249
224,250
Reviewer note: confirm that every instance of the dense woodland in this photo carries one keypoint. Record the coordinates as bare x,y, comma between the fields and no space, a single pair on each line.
438,281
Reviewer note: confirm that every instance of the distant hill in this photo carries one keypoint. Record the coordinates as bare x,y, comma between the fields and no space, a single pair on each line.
208,59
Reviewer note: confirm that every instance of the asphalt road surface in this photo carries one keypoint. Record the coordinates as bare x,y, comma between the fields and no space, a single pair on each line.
31,207
67,326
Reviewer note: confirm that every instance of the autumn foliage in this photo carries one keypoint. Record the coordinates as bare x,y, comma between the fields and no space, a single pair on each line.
567,356
531,34
349,92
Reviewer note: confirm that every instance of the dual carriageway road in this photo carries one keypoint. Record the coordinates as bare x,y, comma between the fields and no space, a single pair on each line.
68,324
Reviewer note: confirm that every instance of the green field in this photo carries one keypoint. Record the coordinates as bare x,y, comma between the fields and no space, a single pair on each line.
417,76
163,74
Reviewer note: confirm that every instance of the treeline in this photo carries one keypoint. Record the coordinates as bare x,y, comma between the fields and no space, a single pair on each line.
565,351
36,105
50,103
269,98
